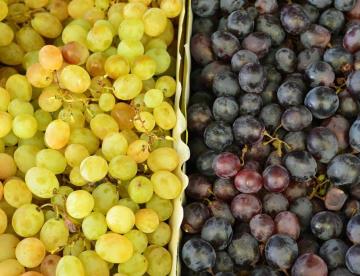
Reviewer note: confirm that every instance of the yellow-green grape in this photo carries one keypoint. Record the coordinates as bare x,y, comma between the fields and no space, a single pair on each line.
11,267
167,85
12,54
163,207
161,236
48,265
105,196
75,53
144,122
77,8
93,264
127,87
115,14
59,199
91,111
79,204
140,189
154,21
8,244
50,98
50,57
50,214
76,178
138,239
139,150
70,265
11,139
54,234
19,87
153,98
165,116
165,158
28,39
74,32
46,24
81,22
159,259
102,4
17,107
76,247
122,167
120,219
30,252
99,85
130,49
161,57
146,220
136,265
134,10
95,64
3,10
43,119
94,226
2,146
166,184
103,124
114,144
85,137
5,123
129,135
168,34
27,220
75,153
145,2
30,58
107,102
7,34
16,193
4,99
93,15
116,66
75,79
36,4
114,248
130,28
4,221
39,76
52,160
73,116
36,140
144,67
7,166
99,38
41,182
93,168
172,8
127,202
58,8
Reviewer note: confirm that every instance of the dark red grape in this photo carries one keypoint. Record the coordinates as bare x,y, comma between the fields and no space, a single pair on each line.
224,189
270,116
262,227
296,118
322,102
344,169
296,140
205,8
199,187
315,36
225,109
301,165
335,199
195,215
333,253
200,46
204,162
266,6
295,190
226,165
320,73
245,206
241,58
294,19
247,130
218,135
340,127
355,11
281,251
271,25
351,40
353,229
210,71
250,104
332,19
229,6
287,223
224,44
223,262
240,23
258,43
276,178
225,83
303,209
274,203
199,116
307,57
252,165
221,210
198,255
248,181
352,259
244,250
326,225
353,83
309,264
352,207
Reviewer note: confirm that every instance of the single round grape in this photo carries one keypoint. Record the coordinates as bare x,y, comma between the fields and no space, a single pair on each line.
338,58
245,206
353,229
244,250
322,144
223,262
274,203
209,72
344,169
240,23
247,130
294,19
287,223
225,109
114,248
218,232
250,104
204,162
258,43
332,19
198,255
340,127
248,181
308,264
224,189
262,227
225,83
351,39
296,118
276,178
320,73
164,158
301,165
315,36
203,25
195,215
199,187
252,77
241,58
326,225
270,25
221,209
224,44
270,116
205,8
201,51
333,253
352,259
296,140
285,60
353,83
199,117
309,56
281,251
303,209
226,165
218,135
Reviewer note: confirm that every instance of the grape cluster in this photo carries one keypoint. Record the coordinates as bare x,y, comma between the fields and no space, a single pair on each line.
274,173
87,159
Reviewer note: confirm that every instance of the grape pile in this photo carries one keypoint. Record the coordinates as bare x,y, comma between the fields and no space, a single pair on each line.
87,162
274,134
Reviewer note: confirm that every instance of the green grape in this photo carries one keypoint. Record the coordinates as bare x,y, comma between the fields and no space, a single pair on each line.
4,99
54,234
3,10
139,104
105,196
74,32
58,8
43,119
17,107
114,144
5,123
134,10
41,182
122,167
75,79
139,150
11,54
103,124
130,49
99,38
166,184
46,24
36,4
146,220
144,122
140,189
7,34
115,14
30,252
130,29
39,76
7,166
83,23
79,204
2,146
50,98
95,65
161,57
7,208
8,243
75,153
165,158
161,236
19,87
94,14
99,86
36,140
73,116
155,21
75,53
50,214
144,67
114,248
116,66
70,265
120,219
52,160
77,246
94,225
103,22
76,178
93,168
127,87
137,265
25,157
30,58
77,8
107,102
159,261
168,34
165,116
4,221
102,4
27,220
155,43
163,207
153,98
11,267
138,239
59,199
127,202
85,137
93,264
167,85
29,39
16,193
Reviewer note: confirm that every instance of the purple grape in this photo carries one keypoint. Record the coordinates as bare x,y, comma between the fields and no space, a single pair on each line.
244,250
199,116
224,44
326,225
229,6
210,71
252,78
205,8
349,106
241,58
296,118
332,19
203,25
226,165
351,40
270,25
294,19
221,209
335,199
218,232
301,165
262,227
270,116
195,215
320,73
353,229
247,130
224,189
352,259
200,46
266,6
258,43
308,244
340,127
225,109
285,60
240,23
353,83
245,206
338,58
276,178
352,207
311,11
274,203
344,5
198,255
333,253
225,83
309,56
303,209
204,162
315,36
287,223
309,264
281,251
223,262
344,169
295,190
199,187
296,140
218,135
248,181
322,102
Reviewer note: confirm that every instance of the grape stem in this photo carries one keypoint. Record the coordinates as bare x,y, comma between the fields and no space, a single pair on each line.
318,186
243,152
276,141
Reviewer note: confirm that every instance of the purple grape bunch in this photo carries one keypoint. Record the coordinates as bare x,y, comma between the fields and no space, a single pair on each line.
274,134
